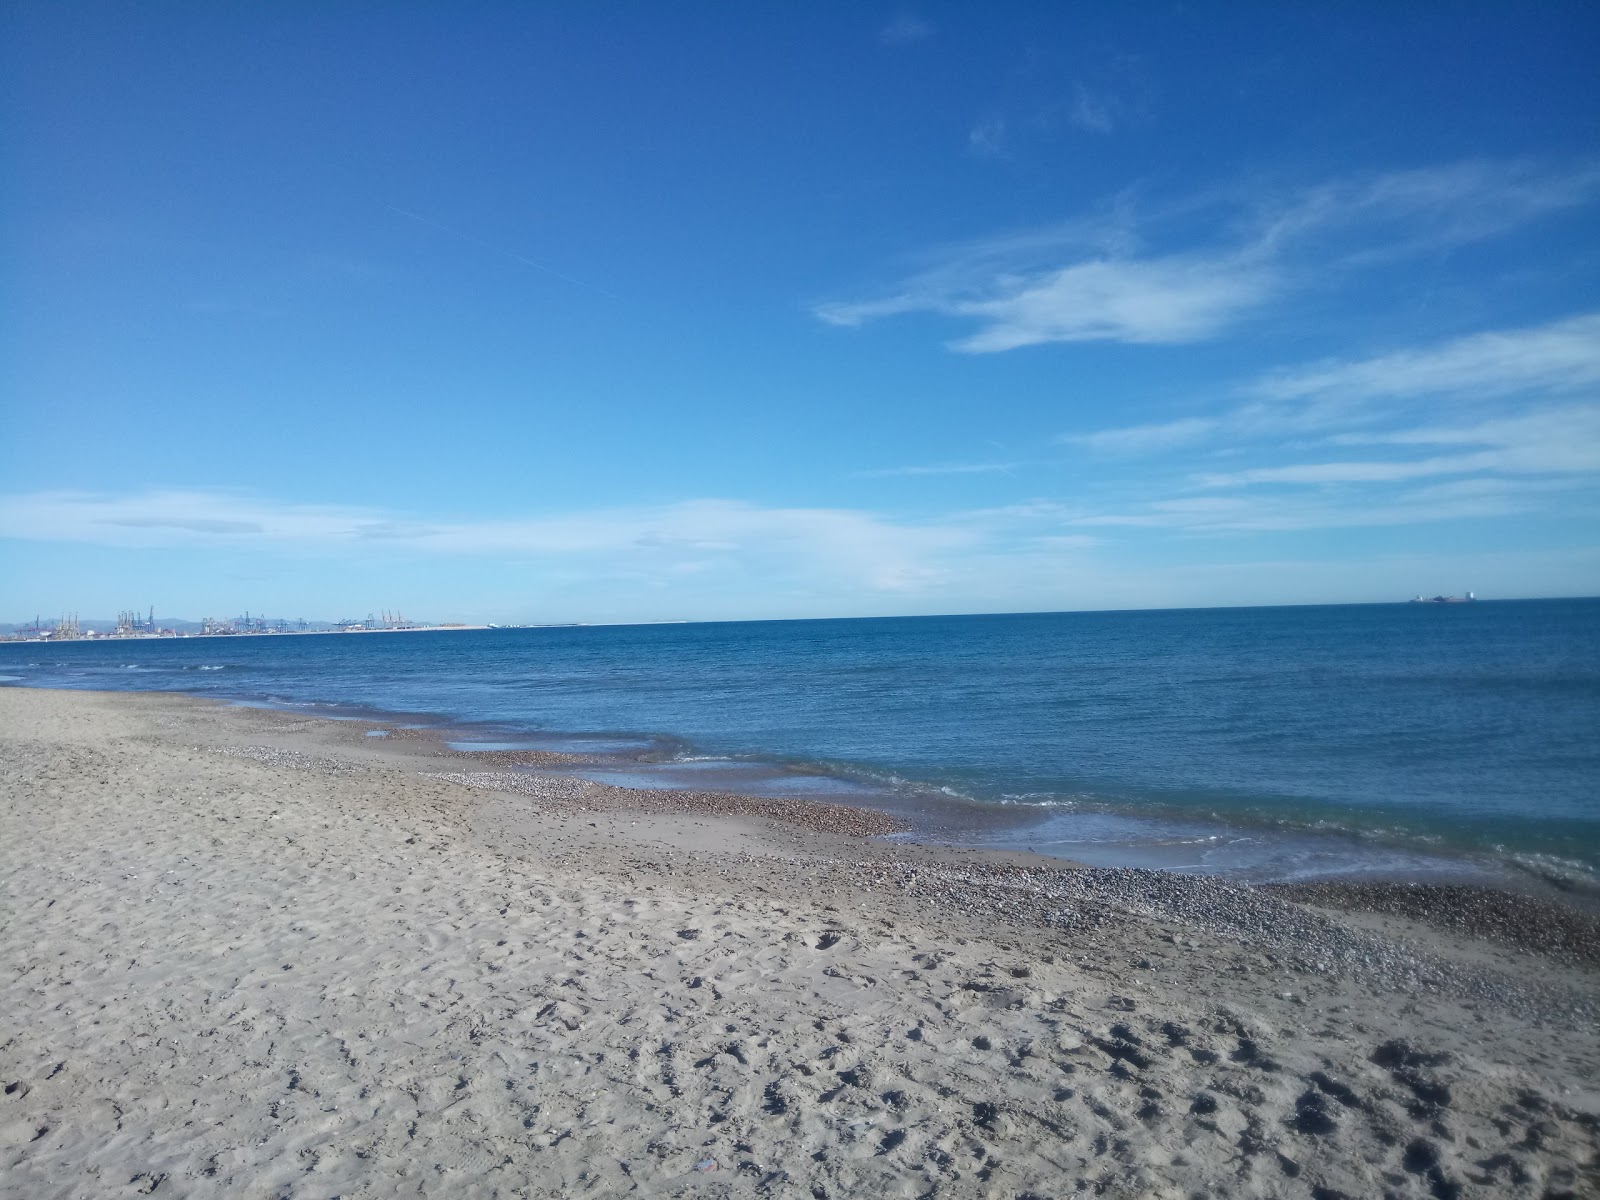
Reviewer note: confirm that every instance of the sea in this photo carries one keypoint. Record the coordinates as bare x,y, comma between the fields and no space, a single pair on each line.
1437,742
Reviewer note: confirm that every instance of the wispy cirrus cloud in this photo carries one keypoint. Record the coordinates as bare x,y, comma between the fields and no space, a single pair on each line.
867,549
1399,503
1553,441
905,29
1154,300
1483,425
1144,439
989,468
1562,438
1352,472
205,525
1093,112
987,138
1121,92
1202,266
1439,207
726,559
1562,355
1467,373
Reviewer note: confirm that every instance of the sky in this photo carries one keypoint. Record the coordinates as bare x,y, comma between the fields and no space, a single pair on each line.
632,311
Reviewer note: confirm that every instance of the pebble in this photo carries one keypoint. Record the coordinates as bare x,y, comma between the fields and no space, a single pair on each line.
814,815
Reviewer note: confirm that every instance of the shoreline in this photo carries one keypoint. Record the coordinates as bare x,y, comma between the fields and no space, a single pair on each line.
441,731
1555,924
931,816
253,952
1224,769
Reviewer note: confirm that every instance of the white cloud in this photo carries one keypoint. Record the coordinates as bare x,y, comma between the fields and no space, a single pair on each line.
867,549
1349,507
1520,491
939,469
987,139
1067,541
1517,445
1464,202
1349,472
1144,439
1563,438
1194,512
1095,280
1549,441
1092,112
905,29
1120,91
1028,510
723,559
1153,301
1473,374
1562,355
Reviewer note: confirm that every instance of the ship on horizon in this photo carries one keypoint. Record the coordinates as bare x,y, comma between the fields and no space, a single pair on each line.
1467,599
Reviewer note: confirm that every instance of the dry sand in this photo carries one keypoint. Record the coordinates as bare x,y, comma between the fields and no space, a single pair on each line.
250,955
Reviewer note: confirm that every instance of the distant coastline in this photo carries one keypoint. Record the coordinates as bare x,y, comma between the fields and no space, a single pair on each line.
50,639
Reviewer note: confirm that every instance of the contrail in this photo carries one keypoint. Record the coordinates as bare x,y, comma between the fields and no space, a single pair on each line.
493,249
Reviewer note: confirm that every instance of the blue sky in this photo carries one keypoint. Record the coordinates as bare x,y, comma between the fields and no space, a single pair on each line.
620,311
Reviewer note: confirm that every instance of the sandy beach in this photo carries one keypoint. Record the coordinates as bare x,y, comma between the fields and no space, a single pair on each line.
249,954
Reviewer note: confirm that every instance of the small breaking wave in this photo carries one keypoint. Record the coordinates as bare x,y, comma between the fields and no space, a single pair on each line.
1563,874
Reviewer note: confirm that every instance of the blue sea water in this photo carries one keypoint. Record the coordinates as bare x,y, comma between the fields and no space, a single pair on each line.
1408,740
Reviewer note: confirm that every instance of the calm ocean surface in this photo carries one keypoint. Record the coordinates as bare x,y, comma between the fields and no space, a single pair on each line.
1267,743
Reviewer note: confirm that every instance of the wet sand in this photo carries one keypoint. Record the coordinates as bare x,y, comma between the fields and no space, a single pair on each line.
252,954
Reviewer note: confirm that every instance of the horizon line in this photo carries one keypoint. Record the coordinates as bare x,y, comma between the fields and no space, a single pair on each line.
1030,612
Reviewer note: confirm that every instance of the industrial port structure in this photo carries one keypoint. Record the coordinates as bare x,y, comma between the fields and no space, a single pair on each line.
130,623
